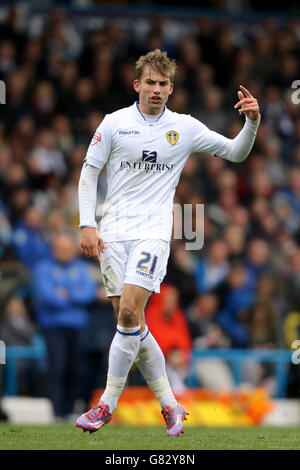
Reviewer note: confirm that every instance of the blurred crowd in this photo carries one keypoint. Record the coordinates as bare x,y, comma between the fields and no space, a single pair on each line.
241,290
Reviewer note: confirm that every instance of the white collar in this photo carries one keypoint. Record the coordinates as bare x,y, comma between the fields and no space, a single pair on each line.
141,116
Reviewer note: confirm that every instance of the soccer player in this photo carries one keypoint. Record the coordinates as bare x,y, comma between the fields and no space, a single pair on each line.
144,148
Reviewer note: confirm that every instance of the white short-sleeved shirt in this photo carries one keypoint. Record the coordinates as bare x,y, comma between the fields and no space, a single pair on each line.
144,162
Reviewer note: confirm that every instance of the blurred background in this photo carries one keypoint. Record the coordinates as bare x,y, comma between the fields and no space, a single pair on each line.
230,312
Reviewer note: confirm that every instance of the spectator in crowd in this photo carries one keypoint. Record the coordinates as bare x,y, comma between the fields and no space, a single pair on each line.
18,329
29,243
238,296
181,272
210,111
290,280
262,324
290,194
235,237
203,325
46,158
264,333
258,258
15,277
206,333
63,290
212,270
5,231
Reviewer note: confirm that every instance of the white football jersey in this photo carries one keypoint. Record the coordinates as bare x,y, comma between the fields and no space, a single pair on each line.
144,161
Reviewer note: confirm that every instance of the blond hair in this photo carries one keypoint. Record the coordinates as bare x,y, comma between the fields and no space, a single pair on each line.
159,61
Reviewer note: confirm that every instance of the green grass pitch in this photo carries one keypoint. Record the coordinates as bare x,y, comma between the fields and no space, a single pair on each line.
68,437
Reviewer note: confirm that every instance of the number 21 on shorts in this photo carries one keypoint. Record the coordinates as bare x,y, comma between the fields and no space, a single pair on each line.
144,262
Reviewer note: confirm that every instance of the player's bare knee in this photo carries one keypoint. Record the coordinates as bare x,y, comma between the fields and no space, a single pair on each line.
127,317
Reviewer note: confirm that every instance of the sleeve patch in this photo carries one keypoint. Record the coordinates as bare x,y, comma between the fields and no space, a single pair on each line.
96,138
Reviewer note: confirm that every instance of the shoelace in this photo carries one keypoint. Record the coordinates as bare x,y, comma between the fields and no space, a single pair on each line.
96,413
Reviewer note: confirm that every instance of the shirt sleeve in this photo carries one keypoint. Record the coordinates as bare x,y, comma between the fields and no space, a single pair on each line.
87,195
100,147
234,150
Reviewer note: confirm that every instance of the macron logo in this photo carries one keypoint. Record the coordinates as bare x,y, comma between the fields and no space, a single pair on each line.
125,132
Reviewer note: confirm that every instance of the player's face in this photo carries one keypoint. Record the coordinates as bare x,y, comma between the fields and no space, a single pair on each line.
154,90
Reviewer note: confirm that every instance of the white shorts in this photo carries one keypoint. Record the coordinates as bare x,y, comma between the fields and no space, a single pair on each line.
138,262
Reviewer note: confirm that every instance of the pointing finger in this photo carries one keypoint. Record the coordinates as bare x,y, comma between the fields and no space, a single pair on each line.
247,92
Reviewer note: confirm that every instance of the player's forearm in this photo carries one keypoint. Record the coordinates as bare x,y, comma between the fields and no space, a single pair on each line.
241,145
87,195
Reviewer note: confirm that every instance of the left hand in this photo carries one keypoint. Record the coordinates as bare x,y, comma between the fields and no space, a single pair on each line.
247,104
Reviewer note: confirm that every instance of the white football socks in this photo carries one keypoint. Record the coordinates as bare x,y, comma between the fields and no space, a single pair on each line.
123,351
127,346
151,363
